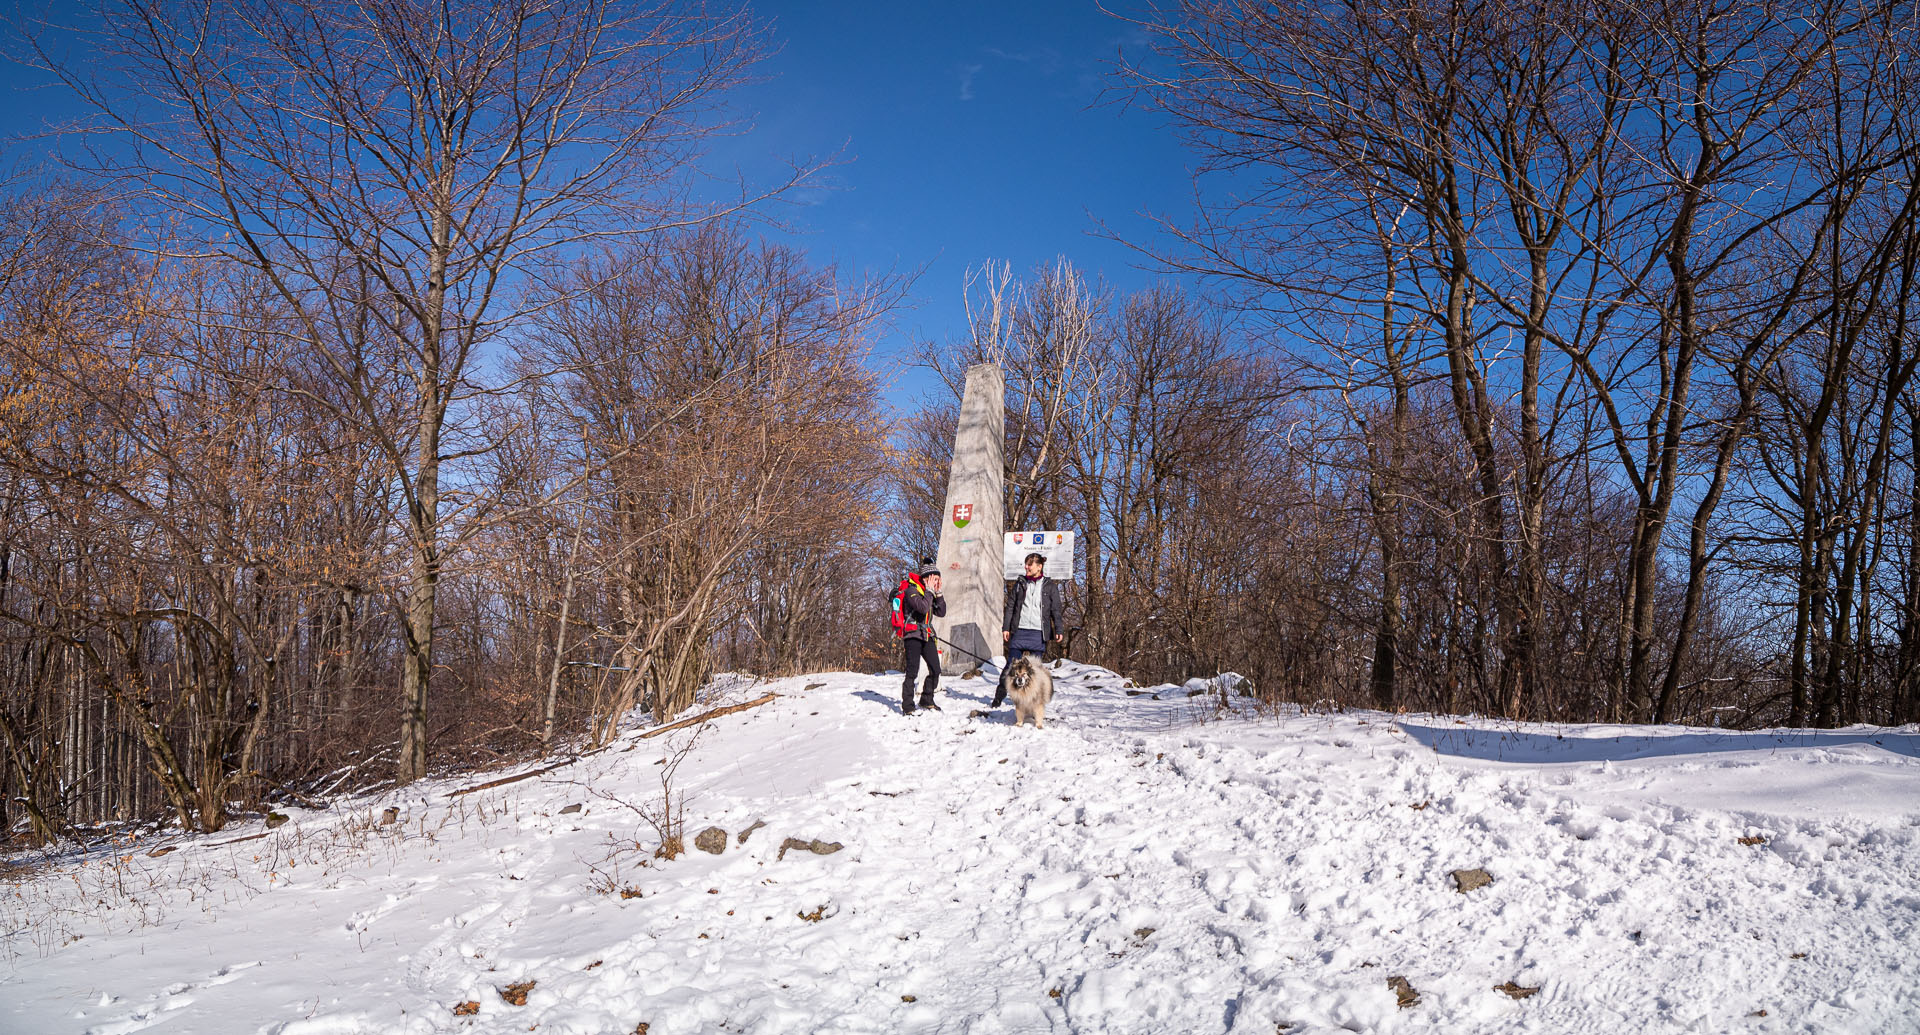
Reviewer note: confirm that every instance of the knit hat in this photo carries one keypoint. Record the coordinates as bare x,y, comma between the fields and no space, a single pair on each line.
928,566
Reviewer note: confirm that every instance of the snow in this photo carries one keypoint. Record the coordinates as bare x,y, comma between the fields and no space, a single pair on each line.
1147,863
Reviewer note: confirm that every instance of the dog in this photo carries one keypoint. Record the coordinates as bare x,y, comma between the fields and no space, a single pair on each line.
1030,687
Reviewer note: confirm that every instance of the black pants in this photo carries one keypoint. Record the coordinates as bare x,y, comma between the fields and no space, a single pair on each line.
911,652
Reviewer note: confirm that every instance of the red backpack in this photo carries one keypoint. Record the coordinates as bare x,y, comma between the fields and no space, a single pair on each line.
896,604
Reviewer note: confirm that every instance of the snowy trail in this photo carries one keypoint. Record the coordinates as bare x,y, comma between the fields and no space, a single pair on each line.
1124,870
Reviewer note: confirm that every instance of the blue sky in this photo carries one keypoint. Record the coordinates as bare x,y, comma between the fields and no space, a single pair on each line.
972,132
967,132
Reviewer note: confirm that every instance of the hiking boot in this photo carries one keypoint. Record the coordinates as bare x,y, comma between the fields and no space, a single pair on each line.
926,701
999,696
906,704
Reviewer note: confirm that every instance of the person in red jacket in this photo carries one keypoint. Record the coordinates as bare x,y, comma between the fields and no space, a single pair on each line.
920,602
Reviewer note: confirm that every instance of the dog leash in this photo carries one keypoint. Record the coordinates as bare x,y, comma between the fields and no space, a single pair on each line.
970,654
955,646
984,661
988,661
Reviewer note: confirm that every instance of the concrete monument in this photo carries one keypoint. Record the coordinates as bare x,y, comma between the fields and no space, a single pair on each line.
972,525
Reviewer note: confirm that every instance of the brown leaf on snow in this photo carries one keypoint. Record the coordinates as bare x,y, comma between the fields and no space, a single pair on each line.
1404,991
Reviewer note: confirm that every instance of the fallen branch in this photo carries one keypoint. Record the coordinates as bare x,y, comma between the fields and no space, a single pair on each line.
503,781
530,774
714,714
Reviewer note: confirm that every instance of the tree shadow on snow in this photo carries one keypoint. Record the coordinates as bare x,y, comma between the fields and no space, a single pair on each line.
1514,745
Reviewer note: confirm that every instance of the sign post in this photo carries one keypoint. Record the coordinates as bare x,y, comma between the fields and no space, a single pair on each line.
1056,547
971,525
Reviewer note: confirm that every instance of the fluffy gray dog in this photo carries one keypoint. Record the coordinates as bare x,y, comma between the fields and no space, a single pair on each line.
1029,687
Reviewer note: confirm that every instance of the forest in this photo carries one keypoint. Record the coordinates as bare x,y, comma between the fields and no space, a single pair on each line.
376,398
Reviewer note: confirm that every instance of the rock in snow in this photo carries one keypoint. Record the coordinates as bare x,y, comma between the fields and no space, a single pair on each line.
1151,866
1467,880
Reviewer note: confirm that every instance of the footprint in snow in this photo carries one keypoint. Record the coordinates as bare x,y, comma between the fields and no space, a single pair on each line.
364,918
230,972
173,997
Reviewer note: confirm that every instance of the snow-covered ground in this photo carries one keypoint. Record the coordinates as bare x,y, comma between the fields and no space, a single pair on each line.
1141,865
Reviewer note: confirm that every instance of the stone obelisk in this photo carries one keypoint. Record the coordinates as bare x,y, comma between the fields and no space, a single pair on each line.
971,527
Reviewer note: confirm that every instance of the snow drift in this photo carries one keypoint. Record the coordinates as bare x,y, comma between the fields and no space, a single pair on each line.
1148,863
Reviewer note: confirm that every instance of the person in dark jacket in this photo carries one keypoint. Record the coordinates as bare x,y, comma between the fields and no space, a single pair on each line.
1033,619
920,603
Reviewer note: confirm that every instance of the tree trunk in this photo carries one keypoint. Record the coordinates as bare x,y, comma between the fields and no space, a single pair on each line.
1697,553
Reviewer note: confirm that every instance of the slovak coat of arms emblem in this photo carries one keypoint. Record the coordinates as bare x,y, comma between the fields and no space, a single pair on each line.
962,513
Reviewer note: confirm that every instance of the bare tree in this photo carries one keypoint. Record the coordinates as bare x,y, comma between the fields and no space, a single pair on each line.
726,415
397,172
1589,206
